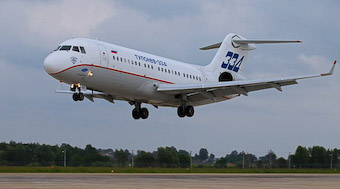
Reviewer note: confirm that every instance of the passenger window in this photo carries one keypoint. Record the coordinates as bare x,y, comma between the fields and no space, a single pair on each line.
129,61
145,65
159,69
151,66
75,48
121,59
179,74
139,63
162,69
124,59
114,58
148,66
82,49
65,48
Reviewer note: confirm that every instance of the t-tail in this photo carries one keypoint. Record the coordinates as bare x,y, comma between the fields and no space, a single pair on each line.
232,55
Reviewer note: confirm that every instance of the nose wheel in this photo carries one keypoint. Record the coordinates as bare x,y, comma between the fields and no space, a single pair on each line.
139,112
78,96
183,111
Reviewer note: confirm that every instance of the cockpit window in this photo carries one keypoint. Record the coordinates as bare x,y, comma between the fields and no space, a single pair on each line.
82,49
65,48
75,48
57,48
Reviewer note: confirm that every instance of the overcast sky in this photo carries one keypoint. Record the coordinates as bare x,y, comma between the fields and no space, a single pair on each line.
306,114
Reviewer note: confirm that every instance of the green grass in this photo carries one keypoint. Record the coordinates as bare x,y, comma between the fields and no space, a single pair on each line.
29,169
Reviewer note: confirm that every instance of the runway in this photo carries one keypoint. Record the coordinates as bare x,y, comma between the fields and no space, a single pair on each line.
76,180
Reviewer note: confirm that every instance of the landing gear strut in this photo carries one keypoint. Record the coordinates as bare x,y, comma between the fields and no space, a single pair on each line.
183,111
139,112
77,96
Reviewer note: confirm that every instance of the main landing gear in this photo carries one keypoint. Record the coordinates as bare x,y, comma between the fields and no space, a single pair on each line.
183,111
77,96
139,112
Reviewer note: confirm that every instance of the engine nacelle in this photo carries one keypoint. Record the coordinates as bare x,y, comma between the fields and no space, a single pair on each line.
226,76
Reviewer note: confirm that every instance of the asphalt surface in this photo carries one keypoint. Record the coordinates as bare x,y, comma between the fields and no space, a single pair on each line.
75,180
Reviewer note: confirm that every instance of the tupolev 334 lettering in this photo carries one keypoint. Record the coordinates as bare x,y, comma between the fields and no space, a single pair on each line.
95,69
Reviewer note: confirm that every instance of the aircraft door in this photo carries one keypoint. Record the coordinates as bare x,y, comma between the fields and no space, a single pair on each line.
104,61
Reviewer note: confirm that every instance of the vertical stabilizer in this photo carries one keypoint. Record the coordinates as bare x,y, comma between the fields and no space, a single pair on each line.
230,57
233,53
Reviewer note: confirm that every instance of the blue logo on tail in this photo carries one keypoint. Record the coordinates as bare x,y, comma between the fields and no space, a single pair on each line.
233,63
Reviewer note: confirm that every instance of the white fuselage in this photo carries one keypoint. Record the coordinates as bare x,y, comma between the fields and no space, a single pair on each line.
123,73
96,69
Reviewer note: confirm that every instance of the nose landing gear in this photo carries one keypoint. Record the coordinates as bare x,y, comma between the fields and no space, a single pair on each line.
139,112
183,111
77,96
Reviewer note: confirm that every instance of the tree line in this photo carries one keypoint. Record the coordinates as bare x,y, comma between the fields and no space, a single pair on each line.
34,154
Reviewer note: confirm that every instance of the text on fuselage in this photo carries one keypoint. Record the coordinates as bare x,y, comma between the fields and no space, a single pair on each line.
150,60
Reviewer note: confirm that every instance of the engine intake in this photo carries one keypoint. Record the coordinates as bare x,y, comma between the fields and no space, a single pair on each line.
225,76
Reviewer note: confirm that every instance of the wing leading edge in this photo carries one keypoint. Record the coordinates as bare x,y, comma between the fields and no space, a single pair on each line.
219,89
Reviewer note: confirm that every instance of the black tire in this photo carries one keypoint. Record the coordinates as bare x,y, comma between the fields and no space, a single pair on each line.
75,96
144,113
189,111
81,96
181,111
135,113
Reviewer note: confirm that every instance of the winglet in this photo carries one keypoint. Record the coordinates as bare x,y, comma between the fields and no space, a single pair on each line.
330,71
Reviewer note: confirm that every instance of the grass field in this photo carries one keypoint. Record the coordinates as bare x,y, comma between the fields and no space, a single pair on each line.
25,169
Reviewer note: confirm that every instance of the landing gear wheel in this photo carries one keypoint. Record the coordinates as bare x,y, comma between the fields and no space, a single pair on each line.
75,96
189,111
144,113
181,111
136,113
80,96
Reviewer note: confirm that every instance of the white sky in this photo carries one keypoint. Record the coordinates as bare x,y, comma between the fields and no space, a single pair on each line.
304,114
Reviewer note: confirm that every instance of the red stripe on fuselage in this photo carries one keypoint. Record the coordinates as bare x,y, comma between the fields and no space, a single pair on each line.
113,70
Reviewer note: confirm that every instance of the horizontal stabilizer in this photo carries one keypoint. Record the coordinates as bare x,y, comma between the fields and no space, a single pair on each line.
246,42
214,46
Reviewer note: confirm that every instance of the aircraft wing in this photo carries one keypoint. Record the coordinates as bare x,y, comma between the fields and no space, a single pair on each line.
221,89
90,95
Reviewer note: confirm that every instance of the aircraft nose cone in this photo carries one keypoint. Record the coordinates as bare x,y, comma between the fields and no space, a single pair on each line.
50,65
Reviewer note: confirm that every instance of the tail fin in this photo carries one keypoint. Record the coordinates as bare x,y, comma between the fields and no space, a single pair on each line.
233,53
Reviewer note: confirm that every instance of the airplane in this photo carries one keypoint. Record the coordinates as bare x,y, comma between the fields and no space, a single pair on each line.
96,69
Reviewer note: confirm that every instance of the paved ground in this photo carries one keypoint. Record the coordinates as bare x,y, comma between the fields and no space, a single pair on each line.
74,180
